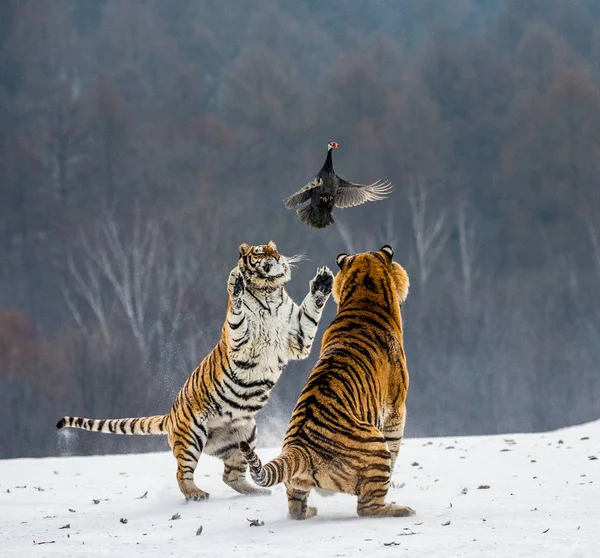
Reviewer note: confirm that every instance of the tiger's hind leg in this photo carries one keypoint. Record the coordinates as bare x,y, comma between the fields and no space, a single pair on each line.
235,466
187,443
393,431
374,482
371,502
234,475
298,507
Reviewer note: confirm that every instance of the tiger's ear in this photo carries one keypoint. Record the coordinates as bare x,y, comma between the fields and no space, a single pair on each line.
340,259
273,245
388,251
243,248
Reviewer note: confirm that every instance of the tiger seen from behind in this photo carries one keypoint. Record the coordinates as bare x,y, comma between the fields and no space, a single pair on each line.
216,408
345,432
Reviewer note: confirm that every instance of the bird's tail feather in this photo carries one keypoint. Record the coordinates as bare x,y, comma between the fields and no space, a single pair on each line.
315,217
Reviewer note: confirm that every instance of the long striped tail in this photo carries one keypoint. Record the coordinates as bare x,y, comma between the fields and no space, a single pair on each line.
142,425
287,465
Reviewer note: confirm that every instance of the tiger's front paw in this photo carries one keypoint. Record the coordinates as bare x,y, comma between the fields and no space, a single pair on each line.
236,286
320,286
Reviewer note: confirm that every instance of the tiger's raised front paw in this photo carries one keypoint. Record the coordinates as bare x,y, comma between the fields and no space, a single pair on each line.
320,286
236,285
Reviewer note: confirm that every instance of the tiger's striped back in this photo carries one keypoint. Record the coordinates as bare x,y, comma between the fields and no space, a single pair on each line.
345,432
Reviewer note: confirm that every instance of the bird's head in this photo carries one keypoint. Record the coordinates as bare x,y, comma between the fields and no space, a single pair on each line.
332,145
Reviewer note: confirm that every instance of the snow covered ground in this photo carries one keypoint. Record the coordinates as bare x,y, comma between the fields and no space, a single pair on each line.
512,495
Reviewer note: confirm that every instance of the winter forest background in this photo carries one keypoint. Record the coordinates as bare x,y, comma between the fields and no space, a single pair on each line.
142,141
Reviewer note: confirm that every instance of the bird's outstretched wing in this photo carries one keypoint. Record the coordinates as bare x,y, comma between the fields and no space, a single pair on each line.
350,194
303,194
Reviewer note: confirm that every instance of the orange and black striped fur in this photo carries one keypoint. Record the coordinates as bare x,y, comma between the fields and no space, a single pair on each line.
215,409
346,429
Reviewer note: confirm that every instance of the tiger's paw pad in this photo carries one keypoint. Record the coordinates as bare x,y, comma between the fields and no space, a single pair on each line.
402,511
311,511
196,495
322,283
236,286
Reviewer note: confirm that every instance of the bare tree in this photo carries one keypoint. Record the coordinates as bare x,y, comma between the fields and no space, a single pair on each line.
50,105
430,232
468,251
385,232
115,269
594,238
346,236
126,268
86,283
59,136
135,276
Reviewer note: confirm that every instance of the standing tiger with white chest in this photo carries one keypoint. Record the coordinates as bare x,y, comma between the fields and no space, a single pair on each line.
216,408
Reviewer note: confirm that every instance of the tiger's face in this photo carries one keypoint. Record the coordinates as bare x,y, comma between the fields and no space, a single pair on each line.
263,266
372,273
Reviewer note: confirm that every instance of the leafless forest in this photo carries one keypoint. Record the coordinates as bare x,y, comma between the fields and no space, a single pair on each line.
141,141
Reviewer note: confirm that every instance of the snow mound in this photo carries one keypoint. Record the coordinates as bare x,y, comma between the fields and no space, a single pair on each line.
509,495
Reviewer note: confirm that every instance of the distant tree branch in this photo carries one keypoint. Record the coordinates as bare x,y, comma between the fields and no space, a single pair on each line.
430,233
466,240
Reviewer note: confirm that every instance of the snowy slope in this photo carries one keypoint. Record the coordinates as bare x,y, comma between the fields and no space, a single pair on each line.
543,500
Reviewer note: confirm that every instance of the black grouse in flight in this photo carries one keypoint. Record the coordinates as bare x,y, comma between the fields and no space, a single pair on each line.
327,190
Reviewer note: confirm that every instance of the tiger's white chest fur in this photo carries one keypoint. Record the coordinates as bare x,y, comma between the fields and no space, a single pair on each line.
268,348
271,320
265,330
270,330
